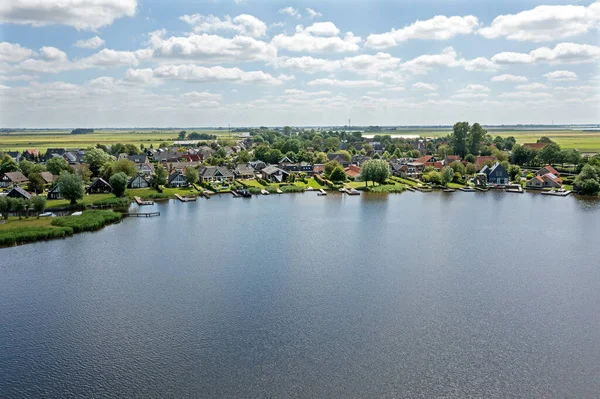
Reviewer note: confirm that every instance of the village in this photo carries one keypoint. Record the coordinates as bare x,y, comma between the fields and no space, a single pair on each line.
267,162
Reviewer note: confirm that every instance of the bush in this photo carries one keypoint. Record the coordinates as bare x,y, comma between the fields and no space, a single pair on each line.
254,190
291,189
114,202
386,188
88,221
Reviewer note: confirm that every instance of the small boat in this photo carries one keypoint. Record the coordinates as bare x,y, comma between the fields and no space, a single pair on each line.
279,191
321,192
309,188
264,192
47,214
242,192
79,213
448,190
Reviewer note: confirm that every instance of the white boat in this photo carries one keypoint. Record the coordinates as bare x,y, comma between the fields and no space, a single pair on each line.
78,213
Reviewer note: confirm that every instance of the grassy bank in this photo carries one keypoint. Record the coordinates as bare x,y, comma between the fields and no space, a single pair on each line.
15,231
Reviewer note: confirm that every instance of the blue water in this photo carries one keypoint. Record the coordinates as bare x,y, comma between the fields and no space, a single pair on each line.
410,295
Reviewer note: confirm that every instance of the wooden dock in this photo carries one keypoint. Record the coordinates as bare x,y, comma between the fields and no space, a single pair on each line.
235,195
467,189
350,191
264,192
321,192
140,201
185,199
207,193
142,214
515,190
423,189
557,193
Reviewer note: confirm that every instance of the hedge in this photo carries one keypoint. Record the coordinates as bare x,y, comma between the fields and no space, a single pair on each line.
386,188
291,189
28,234
113,202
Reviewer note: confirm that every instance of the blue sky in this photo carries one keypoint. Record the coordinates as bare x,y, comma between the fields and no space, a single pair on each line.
126,63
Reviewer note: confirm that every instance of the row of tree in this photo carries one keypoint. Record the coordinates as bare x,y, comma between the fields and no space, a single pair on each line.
19,205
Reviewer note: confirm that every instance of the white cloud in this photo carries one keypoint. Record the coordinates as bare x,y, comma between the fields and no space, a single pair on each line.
524,95
439,27
52,54
243,24
424,86
449,58
292,12
143,76
565,53
312,13
532,86
544,23
211,48
81,14
509,78
309,64
201,96
344,83
560,76
470,95
474,88
303,93
15,78
323,29
93,42
303,41
194,73
13,52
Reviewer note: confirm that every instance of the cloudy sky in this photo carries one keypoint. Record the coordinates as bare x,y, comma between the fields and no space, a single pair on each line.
126,63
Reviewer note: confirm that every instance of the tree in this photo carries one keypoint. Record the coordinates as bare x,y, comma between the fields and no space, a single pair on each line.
84,172
460,131
337,174
8,165
374,170
38,203
550,154
287,130
36,183
113,167
544,139
56,165
25,166
476,134
571,157
5,206
514,173
471,168
320,158
18,205
329,167
499,142
332,143
191,175
118,182
447,175
181,135
432,177
96,158
509,143
160,177
587,181
458,167
70,186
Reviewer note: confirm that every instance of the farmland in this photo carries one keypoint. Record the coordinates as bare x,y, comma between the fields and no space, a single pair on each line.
43,139
584,141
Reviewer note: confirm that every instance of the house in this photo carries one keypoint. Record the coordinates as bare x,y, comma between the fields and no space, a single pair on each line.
412,169
51,152
353,171
244,171
122,156
12,178
54,193
340,158
196,158
146,169
359,159
16,155
304,167
318,168
143,158
18,192
31,154
210,174
70,157
480,161
138,181
258,165
48,177
99,186
548,180
451,158
547,169
495,174
273,174
425,159
177,179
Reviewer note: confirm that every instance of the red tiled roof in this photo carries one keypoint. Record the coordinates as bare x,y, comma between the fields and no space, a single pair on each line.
424,159
438,164
535,146
353,170
551,170
452,158
482,160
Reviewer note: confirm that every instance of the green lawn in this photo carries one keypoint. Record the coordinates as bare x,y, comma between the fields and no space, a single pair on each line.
455,185
253,183
87,200
14,222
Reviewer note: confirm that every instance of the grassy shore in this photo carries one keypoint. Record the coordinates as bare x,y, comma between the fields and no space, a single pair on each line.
18,231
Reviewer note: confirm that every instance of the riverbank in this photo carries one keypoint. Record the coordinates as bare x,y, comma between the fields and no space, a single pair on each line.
15,231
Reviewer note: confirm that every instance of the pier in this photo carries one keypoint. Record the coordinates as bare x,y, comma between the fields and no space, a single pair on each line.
557,193
140,201
142,214
185,199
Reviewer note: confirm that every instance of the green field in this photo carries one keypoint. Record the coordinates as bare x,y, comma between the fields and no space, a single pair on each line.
43,139
584,141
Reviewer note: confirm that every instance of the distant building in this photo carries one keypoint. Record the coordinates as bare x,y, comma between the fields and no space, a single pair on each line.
9,179
495,174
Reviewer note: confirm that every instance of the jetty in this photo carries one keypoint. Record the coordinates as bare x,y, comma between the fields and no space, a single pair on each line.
279,191
467,189
142,214
206,193
321,192
557,193
140,201
185,199
235,195
423,189
264,192
350,191
518,190
448,190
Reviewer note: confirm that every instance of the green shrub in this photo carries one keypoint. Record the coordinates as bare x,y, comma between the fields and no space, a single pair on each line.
28,234
254,190
291,189
112,202
385,188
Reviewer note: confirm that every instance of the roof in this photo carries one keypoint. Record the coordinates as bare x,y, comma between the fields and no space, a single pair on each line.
243,168
353,170
536,146
138,158
452,158
211,171
551,170
48,177
16,177
271,169
424,159
174,175
482,160
20,191
99,181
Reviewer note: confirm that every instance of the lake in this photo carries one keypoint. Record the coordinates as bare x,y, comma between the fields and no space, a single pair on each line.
410,295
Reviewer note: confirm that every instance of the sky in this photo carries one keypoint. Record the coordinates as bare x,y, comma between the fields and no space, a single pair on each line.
183,63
